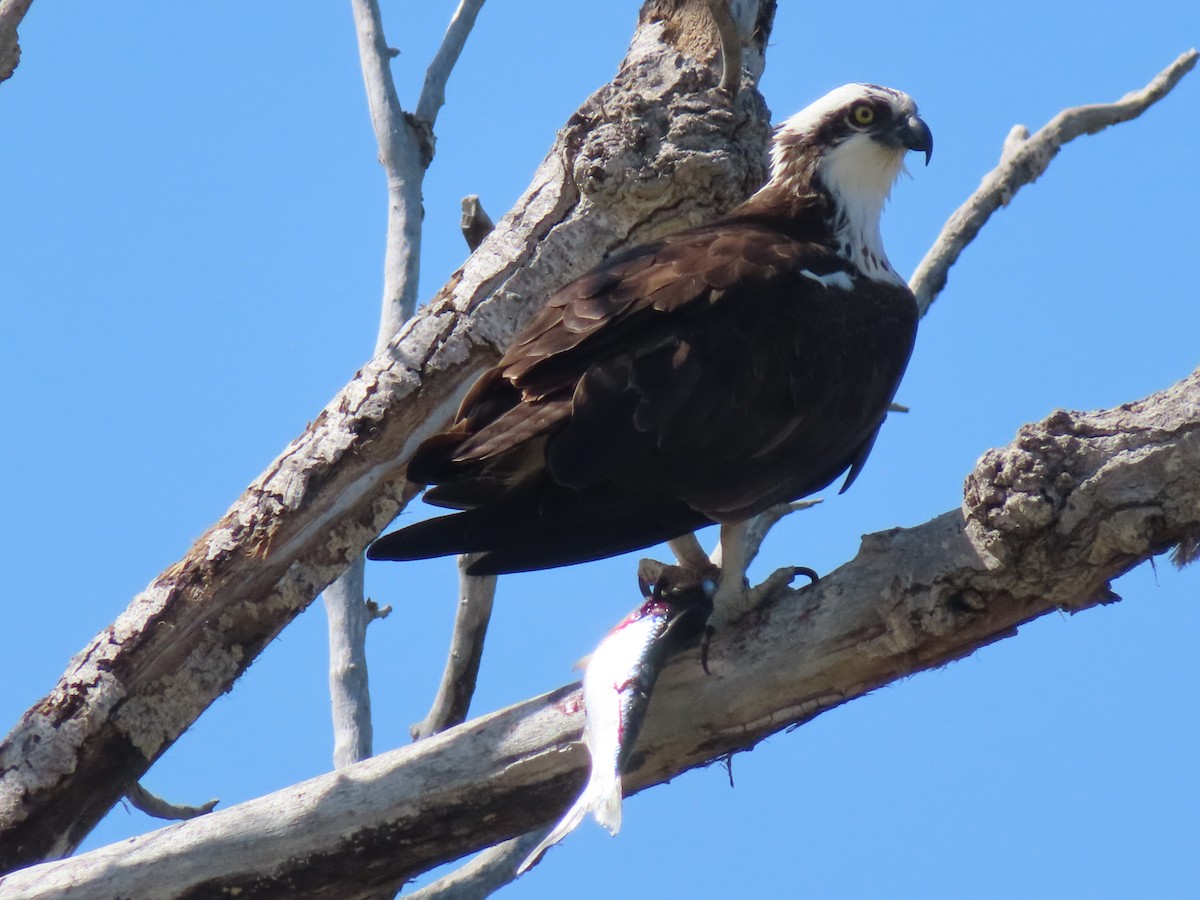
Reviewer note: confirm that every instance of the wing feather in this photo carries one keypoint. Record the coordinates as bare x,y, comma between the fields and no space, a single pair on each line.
701,372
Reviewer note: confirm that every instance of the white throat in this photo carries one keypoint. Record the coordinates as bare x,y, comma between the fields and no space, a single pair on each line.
859,174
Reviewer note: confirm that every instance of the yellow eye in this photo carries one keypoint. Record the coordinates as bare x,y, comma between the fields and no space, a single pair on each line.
862,115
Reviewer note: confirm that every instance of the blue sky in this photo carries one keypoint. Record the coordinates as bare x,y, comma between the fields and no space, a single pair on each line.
191,257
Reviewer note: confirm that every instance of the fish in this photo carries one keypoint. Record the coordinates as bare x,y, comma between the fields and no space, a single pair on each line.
618,682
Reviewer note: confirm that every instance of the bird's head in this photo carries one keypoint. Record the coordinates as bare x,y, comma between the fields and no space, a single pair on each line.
853,140
850,146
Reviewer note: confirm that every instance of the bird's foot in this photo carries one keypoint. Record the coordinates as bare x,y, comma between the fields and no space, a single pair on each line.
733,597
726,596
657,580
778,580
734,603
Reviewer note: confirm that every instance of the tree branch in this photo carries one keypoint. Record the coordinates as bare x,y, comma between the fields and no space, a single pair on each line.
153,805
452,701
11,14
433,92
731,45
453,698
1022,162
406,147
489,871
345,601
349,687
1076,500
184,640
476,224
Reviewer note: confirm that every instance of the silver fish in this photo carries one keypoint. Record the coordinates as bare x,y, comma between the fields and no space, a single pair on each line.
617,684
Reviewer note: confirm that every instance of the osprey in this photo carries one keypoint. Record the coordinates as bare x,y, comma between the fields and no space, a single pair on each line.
697,379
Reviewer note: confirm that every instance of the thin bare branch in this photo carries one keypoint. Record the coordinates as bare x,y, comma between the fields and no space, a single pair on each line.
349,686
489,871
405,151
153,805
453,699
433,92
1046,523
11,14
1022,162
406,146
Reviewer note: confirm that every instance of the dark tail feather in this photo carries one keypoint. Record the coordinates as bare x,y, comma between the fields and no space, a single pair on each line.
568,546
510,544
443,536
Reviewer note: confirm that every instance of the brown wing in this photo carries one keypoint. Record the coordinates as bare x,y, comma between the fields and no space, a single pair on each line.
699,378
767,395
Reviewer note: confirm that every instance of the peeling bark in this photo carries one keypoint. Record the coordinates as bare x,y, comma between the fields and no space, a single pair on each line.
1046,523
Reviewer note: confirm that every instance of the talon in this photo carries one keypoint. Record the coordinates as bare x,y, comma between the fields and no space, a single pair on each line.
649,576
705,641
810,574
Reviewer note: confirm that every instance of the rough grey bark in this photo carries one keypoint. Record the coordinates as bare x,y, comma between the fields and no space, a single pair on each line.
657,149
11,14
1046,522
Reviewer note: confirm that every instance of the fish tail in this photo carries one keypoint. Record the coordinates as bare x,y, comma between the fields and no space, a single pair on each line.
605,795
601,797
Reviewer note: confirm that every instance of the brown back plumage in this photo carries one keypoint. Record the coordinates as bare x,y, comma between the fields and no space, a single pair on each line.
700,378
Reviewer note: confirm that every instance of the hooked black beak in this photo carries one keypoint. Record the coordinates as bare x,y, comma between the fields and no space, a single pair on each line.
913,133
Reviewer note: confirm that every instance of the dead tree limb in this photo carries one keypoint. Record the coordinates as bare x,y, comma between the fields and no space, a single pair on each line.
476,224
11,14
185,639
1022,161
406,146
731,45
484,874
453,698
153,805
1046,523
349,688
